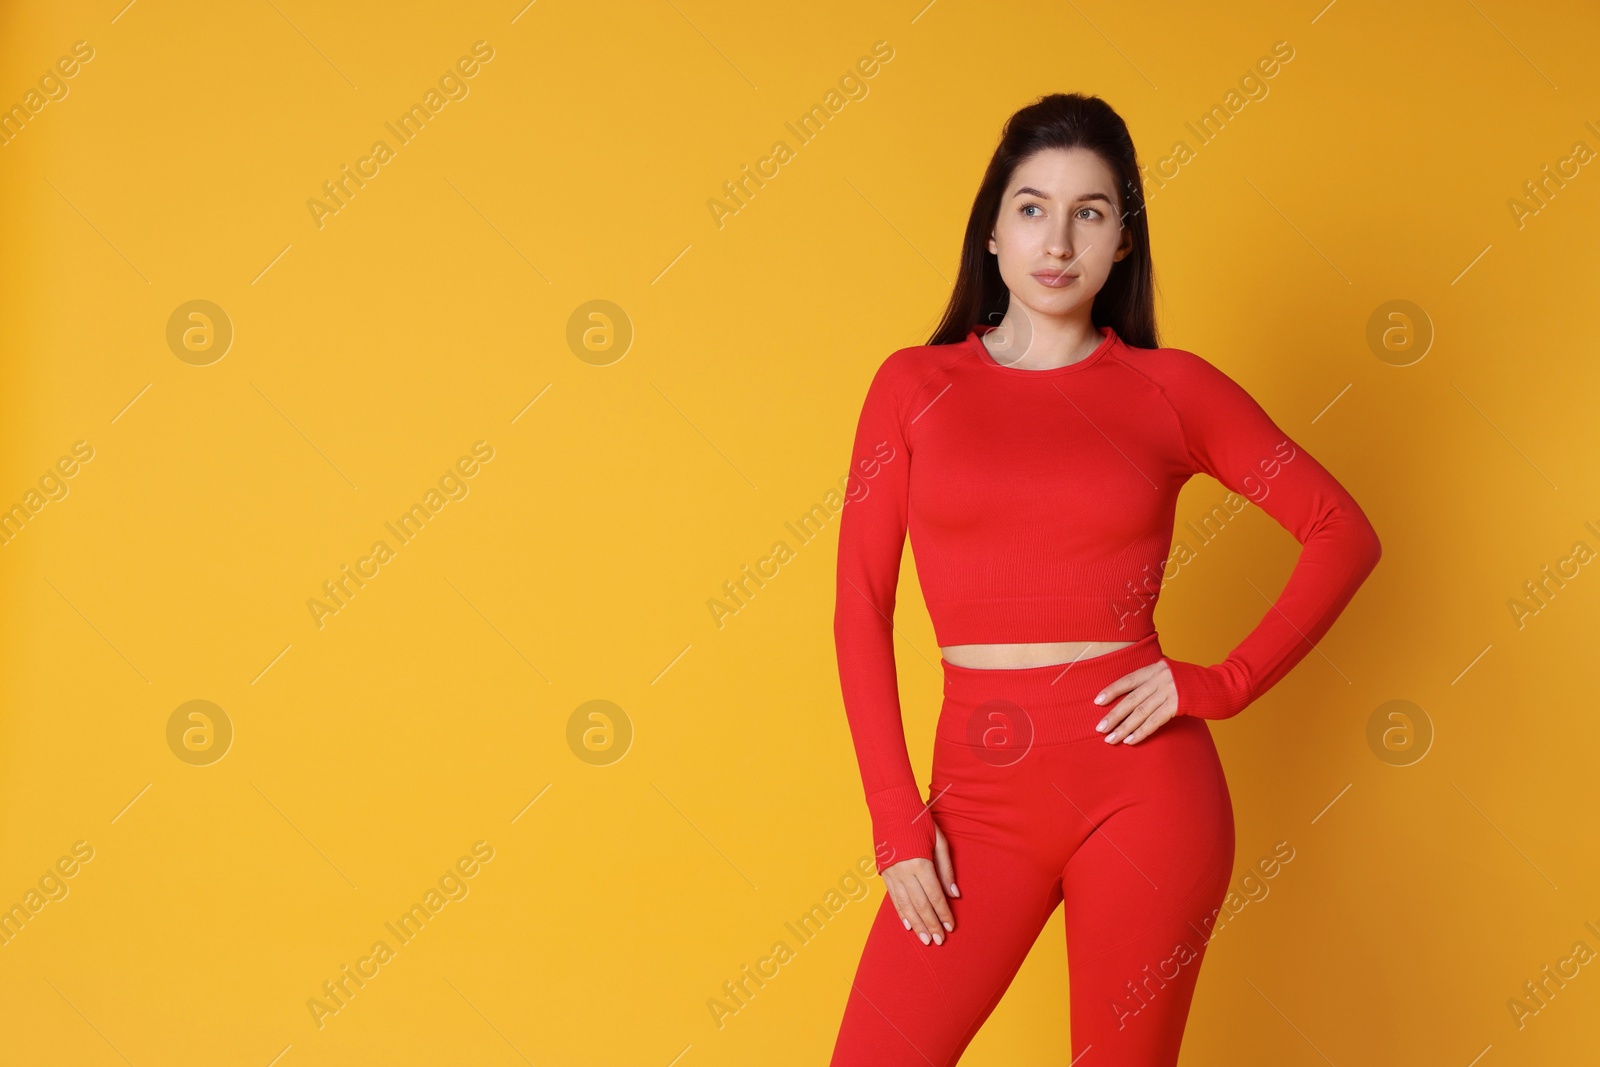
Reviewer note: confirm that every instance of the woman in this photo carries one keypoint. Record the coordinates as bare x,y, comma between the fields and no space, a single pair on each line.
1036,463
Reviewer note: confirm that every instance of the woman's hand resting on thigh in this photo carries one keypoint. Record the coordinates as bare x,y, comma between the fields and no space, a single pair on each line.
917,888
1152,699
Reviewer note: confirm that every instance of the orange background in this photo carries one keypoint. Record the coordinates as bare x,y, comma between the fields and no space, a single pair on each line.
645,850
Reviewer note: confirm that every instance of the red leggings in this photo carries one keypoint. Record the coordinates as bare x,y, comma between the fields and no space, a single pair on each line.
1037,808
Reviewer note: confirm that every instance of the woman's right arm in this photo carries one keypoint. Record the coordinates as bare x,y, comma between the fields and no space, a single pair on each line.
872,531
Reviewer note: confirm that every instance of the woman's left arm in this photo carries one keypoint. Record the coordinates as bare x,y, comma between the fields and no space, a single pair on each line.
1232,439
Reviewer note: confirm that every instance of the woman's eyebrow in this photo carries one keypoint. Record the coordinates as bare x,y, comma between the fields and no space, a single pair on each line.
1028,190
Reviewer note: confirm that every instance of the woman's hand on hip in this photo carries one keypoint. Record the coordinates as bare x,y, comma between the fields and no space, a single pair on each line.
1151,700
917,888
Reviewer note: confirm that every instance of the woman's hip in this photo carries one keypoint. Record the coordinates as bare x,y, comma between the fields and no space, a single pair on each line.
1023,736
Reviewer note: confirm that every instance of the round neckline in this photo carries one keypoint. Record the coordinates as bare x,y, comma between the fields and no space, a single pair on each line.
975,343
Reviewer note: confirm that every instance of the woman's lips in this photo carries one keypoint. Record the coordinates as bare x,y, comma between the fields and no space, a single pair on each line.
1055,280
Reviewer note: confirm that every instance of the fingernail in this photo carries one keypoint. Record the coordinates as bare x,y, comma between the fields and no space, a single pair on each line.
1111,739
923,936
937,940
907,923
954,891
947,926
1101,699
1101,726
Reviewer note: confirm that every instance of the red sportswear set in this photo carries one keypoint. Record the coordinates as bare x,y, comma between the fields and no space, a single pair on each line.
1040,507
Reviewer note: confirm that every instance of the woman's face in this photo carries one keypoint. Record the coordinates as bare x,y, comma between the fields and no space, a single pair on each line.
1060,220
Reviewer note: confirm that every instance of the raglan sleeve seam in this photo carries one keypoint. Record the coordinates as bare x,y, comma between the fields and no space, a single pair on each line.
1194,465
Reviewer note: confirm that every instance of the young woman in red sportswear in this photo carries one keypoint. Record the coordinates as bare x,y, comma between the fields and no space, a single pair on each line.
1034,450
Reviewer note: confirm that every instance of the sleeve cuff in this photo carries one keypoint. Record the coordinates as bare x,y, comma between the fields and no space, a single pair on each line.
902,826
1206,692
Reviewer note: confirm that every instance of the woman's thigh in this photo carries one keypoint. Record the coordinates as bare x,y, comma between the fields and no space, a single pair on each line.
1142,888
912,1003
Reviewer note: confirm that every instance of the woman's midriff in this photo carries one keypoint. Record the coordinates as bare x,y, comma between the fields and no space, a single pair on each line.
1045,705
1019,657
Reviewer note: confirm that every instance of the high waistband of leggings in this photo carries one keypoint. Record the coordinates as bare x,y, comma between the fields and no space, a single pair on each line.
1050,704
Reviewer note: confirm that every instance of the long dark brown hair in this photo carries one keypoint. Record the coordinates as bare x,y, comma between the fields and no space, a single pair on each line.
1126,302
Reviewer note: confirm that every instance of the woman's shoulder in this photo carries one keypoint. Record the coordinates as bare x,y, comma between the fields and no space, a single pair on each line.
911,367
1180,371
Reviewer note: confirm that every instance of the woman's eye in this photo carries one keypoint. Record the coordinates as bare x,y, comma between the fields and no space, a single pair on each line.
1094,210
1025,208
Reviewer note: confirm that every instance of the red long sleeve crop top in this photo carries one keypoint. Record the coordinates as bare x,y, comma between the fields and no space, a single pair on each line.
1040,506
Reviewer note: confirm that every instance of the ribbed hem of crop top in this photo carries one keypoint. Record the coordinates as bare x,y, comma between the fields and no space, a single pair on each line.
1040,507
